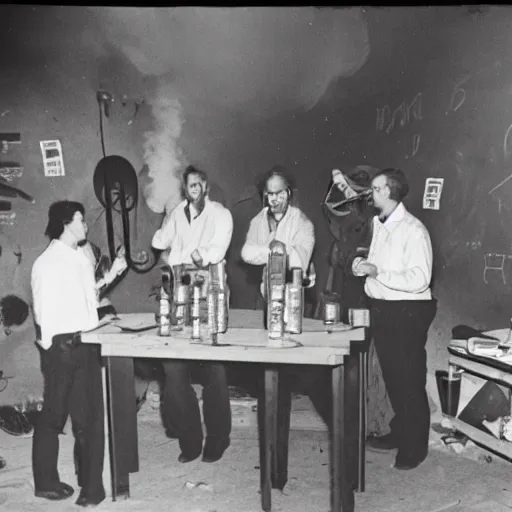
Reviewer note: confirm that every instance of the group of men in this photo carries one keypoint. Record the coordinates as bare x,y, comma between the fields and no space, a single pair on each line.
197,233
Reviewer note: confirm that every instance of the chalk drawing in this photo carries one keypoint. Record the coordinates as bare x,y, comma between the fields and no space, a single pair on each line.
402,115
495,262
415,106
458,93
415,143
507,152
382,114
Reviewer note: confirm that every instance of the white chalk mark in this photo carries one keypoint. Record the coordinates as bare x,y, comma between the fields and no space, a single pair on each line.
415,106
416,143
382,114
399,112
506,150
493,261
458,90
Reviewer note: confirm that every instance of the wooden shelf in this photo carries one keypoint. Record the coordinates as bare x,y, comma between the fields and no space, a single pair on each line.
497,445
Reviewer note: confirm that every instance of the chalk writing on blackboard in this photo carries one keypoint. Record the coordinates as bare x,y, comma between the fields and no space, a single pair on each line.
402,115
507,152
458,96
495,263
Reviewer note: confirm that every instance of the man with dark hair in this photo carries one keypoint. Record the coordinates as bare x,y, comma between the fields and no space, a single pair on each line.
65,304
398,272
196,233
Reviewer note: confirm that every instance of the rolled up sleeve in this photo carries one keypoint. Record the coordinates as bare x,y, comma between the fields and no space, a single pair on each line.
163,237
302,245
253,252
216,251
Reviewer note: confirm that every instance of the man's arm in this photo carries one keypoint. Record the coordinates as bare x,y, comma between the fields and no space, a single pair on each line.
302,245
43,305
216,250
252,252
418,273
163,237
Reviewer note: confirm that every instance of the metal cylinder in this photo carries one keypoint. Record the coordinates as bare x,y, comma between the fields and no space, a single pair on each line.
196,313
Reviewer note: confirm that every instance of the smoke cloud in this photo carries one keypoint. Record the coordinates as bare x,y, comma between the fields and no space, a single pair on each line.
162,153
254,61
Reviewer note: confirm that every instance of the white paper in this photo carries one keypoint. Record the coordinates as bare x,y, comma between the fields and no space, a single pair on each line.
432,194
52,158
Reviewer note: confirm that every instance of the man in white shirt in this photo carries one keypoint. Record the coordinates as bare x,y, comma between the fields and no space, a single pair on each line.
398,271
65,304
281,221
196,233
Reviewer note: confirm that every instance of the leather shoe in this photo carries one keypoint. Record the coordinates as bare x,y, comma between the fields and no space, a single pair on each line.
214,448
407,465
185,457
381,444
85,501
61,492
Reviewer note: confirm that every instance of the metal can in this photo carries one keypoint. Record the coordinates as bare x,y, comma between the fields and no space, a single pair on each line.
276,320
196,313
222,311
293,308
212,311
359,317
331,313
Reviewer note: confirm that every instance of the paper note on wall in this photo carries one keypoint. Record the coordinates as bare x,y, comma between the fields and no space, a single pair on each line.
52,158
432,194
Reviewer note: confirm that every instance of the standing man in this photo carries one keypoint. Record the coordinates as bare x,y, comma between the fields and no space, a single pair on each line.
65,304
281,221
196,233
398,273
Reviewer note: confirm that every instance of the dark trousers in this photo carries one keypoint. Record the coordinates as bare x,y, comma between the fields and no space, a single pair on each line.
400,331
72,386
180,408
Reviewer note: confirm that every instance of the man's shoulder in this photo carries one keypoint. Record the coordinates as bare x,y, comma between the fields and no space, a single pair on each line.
217,207
414,223
301,216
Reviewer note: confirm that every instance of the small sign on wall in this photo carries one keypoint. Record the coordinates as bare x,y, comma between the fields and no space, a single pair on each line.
432,194
52,158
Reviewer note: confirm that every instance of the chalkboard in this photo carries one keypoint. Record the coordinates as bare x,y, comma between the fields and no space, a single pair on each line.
451,118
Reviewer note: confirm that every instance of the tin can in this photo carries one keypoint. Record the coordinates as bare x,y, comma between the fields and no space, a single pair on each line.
331,313
359,317
212,312
164,314
276,320
196,313
222,311
293,308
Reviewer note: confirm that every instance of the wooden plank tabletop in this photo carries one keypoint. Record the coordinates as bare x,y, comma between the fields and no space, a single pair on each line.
245,341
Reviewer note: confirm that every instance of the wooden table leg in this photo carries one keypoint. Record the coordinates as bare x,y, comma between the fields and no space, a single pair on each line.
280,454
122,421
267,420
363,387
342,493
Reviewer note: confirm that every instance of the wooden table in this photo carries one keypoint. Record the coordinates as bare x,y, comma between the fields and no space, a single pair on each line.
245,341
488,368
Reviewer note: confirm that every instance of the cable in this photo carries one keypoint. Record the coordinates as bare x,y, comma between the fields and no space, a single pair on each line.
101,129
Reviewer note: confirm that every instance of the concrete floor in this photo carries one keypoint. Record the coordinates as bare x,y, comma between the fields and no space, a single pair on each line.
445,481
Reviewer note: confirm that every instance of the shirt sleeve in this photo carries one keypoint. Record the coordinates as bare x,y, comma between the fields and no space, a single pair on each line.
253,252
216,250
164,237
416,276
44,310
302,245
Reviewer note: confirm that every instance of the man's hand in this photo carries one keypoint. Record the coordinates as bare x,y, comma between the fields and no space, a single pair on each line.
367,269
196,258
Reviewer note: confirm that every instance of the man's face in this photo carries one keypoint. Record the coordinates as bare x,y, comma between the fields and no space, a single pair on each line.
276,192
380,191
77,227
196,188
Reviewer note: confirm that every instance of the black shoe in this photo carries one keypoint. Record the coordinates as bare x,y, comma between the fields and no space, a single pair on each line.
406,465
381,443
61,492
87,501
214,448
188,457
